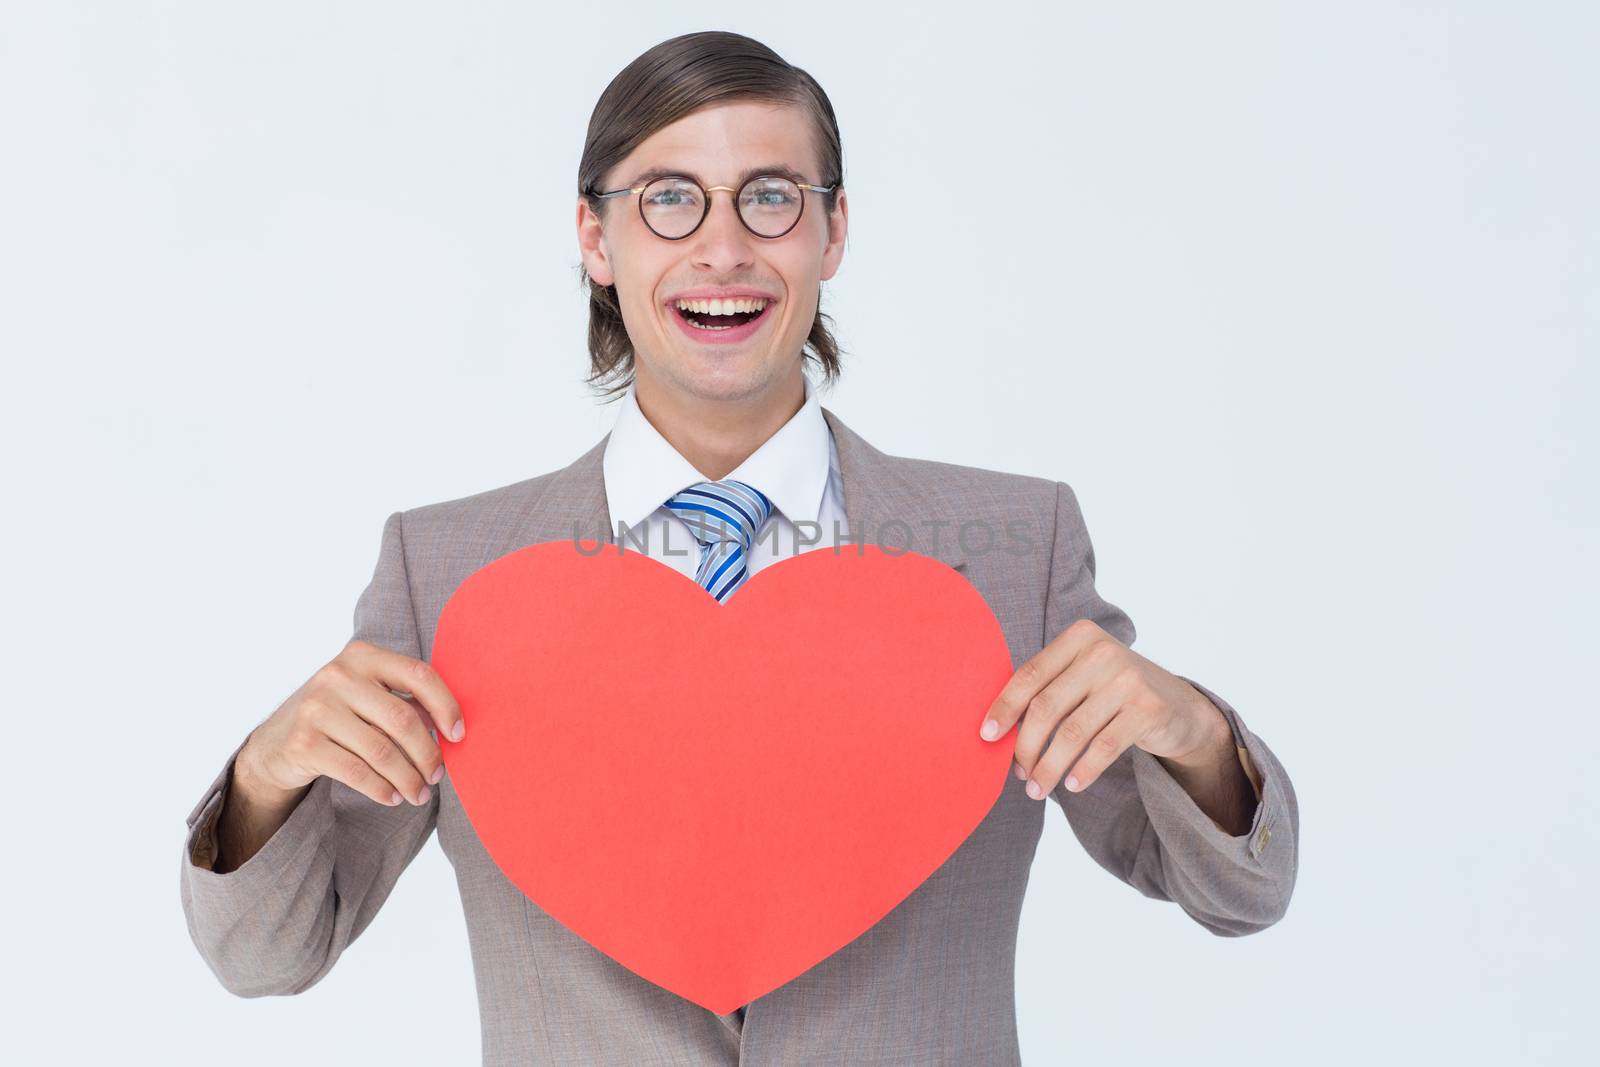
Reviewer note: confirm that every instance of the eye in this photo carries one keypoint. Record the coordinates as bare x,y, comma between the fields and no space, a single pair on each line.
669,198
771,194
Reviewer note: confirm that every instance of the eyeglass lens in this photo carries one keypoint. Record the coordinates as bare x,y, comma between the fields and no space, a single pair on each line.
673,207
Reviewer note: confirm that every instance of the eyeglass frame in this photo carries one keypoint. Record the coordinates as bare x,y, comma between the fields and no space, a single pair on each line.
706,196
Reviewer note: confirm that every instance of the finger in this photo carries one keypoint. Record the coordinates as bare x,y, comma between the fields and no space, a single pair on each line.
421,713
1045,713
335,761
416,677
1108,744
1034,674
347,688
400,719
1076,732
379,751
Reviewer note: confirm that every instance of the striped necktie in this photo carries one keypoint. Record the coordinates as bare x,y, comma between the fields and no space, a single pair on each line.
724,517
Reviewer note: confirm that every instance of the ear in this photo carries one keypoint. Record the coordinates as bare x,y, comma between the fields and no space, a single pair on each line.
838,227
592,245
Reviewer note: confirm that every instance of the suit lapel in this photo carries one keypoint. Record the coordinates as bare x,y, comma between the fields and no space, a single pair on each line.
882,503
879,490
571,506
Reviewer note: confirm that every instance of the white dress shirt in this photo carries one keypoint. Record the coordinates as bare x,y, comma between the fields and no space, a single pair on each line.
797,468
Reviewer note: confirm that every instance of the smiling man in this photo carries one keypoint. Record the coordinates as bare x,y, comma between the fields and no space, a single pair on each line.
711,208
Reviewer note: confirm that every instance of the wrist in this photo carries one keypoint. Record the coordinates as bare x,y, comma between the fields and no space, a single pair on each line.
255,790
1216,746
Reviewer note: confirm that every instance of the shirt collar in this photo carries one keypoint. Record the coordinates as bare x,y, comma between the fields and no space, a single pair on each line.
642,469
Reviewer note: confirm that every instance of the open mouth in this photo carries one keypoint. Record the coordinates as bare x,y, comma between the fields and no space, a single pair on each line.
717,316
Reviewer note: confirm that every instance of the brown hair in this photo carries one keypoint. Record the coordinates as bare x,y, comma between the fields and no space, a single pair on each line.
672,80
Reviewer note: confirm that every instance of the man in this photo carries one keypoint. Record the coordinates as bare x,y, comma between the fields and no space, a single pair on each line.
711,209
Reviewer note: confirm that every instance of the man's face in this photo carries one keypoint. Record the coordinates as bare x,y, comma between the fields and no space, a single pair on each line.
716,146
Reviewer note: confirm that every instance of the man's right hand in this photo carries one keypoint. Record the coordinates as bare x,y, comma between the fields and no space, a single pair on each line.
368,718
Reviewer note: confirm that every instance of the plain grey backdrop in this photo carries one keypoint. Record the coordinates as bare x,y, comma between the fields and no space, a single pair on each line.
1302,299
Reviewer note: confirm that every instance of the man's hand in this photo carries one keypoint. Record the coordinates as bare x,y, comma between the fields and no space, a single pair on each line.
1098,696
367,718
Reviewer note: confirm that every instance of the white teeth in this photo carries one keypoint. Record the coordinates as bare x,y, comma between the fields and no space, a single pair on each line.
721,307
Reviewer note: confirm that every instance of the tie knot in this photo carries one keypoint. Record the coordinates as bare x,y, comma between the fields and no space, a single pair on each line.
722,511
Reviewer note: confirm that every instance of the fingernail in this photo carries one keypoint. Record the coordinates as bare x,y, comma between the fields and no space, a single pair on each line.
990,731
459,730
1072,782
1018,772
396,798
1034,791
422,797
438,773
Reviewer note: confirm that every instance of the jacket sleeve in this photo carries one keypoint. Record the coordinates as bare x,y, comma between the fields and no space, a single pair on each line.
277,924
1137,821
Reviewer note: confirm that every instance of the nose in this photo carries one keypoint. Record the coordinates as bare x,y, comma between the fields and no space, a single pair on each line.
722,244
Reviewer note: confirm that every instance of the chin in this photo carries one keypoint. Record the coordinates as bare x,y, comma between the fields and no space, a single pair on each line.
727,379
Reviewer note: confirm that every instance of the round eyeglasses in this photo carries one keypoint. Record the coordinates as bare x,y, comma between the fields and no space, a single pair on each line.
674,206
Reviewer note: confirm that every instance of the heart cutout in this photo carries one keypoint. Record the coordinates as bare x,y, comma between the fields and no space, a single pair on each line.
720,796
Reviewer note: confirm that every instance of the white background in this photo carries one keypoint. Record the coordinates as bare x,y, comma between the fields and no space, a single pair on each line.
1301,299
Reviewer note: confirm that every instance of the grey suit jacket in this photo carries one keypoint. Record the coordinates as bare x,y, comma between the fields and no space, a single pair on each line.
914,989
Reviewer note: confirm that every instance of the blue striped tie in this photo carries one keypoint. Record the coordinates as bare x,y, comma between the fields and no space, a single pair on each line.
724,517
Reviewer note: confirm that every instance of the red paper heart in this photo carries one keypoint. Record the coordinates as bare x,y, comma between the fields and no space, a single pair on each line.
719,796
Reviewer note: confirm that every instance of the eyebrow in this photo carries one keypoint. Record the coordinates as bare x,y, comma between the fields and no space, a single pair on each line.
653,173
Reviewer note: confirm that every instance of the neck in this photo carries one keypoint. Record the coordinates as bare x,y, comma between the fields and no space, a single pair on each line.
718,435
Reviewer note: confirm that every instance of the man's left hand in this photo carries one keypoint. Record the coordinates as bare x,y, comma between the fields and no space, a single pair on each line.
1098,696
